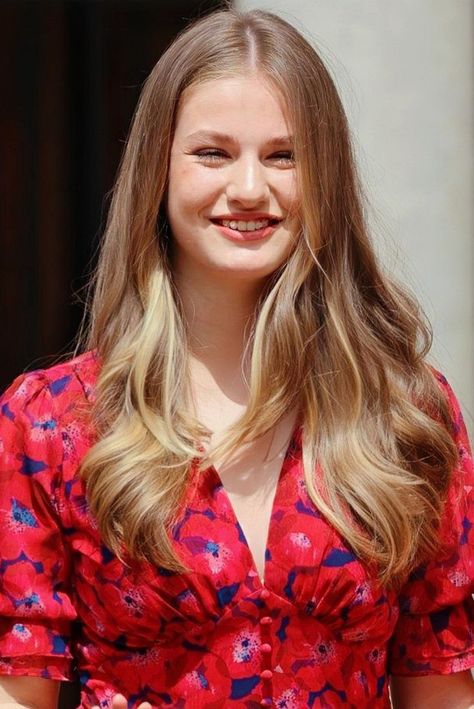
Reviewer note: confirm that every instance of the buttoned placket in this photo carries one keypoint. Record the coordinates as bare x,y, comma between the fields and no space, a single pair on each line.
266,675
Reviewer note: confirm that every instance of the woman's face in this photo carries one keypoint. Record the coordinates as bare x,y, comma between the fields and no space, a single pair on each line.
232,194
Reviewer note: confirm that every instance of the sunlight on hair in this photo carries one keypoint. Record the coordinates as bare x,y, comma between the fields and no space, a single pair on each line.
332,333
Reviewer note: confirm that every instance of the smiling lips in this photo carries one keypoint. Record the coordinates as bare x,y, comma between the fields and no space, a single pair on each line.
258,223
239,230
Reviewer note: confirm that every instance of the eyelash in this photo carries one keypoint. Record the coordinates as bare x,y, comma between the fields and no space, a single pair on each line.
214,155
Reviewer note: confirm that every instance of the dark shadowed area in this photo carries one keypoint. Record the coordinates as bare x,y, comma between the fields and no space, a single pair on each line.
71,76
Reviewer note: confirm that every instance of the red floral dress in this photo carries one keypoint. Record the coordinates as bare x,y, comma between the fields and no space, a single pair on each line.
318,632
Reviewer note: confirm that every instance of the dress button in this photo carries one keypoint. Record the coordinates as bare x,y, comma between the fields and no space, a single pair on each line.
264,594
266,674
266,647
266,702
265,620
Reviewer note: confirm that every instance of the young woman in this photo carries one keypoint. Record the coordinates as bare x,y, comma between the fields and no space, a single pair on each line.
249,489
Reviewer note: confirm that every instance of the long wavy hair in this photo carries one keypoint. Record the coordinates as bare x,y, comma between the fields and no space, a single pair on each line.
332,334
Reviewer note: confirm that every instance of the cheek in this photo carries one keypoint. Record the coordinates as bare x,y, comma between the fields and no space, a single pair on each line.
181,194
179,177
192,189
286,186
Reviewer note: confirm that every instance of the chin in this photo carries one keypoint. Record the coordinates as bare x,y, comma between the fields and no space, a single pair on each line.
252,272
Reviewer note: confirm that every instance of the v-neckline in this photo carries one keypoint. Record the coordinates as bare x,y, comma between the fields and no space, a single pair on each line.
276,495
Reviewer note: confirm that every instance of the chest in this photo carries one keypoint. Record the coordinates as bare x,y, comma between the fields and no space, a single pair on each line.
305,565
250,489
250,479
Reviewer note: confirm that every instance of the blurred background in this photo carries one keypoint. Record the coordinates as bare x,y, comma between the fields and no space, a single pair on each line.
71,76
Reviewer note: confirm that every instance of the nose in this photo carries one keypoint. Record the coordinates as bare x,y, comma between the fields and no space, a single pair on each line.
248,183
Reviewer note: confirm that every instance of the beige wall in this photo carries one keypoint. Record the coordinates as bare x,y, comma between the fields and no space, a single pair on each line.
404,70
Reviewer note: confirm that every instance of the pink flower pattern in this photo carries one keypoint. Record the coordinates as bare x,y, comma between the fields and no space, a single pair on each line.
320,631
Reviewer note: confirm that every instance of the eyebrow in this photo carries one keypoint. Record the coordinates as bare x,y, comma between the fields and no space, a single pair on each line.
275,141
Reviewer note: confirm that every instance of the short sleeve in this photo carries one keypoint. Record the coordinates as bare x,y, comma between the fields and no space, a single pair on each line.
435,631
35,603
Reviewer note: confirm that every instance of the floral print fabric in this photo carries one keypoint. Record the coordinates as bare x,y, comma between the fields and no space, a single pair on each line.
318,631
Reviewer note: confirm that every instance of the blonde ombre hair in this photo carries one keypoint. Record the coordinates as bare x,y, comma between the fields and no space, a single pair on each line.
332,335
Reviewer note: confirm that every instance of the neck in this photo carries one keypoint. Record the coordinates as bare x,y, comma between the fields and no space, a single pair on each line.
218,311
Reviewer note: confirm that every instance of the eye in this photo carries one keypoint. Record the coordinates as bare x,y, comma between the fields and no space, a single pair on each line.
284,157
210,155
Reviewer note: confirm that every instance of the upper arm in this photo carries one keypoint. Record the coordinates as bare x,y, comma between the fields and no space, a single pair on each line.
454,691
36,606
434,634
30,692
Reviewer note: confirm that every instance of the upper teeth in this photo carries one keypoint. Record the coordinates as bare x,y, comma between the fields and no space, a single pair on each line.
246,226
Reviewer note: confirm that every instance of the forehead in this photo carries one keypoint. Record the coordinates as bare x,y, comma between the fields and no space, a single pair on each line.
233,104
